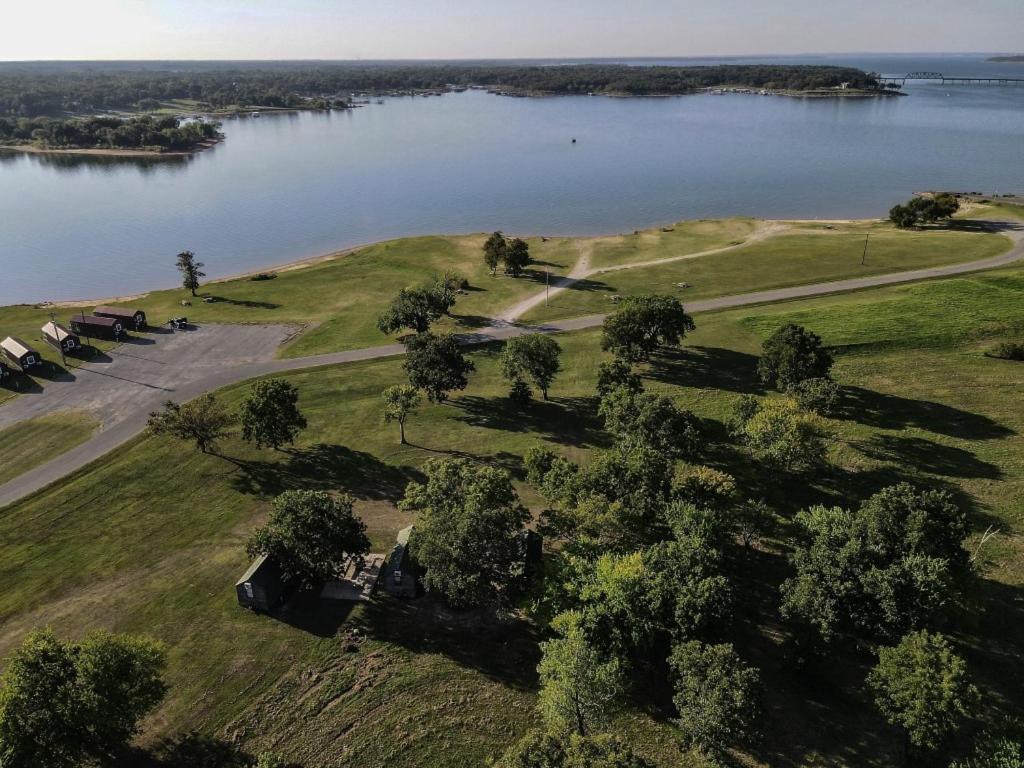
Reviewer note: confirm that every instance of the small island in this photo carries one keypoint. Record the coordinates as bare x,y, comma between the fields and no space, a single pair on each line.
1015,59
141,135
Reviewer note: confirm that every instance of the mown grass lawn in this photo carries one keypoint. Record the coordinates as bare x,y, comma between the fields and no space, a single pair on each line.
804,253
28,444
151,539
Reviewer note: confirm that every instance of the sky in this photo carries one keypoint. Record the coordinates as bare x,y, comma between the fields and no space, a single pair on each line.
491,29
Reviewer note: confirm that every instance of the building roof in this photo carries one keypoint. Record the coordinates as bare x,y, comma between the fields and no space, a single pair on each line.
16,346
56,331
117,311
94,320
261,570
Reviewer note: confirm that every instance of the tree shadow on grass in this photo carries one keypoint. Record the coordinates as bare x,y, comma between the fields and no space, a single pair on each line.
503,650
510,462
472,321
564,420
928,456
247,303
324,467
708,368
876,409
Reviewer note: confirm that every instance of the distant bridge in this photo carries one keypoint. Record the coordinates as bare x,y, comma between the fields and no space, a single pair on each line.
953,79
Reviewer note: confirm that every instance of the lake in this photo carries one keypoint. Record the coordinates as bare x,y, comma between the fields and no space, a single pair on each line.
287,187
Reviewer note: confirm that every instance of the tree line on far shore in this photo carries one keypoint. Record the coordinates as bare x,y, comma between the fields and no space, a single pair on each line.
49,88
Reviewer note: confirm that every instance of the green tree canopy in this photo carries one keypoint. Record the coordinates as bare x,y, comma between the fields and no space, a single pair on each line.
718,696
413,308
793,354
540,749
436,365
400,401
495,248
467,532
643,324
651,420
270,414
66,704
579,689
892,566
517,257
534,355
781,435
922,687
615,373
205,420
311,535
191,271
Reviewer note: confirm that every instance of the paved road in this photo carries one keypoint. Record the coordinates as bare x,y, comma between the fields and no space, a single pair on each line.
227,359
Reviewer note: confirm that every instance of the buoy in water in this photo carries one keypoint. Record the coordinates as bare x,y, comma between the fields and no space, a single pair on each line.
574,141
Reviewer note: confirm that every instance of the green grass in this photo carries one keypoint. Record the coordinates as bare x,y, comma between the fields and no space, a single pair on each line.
28,444
809,253
150,539
681,238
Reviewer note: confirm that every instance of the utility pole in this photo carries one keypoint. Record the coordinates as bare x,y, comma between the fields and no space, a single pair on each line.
547,282
864,256
60,344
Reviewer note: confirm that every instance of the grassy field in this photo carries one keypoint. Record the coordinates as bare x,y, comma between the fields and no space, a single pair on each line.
804,253
336,302
30,443
150,539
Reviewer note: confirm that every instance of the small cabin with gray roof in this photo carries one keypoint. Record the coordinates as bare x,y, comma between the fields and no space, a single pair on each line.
21,354
60,337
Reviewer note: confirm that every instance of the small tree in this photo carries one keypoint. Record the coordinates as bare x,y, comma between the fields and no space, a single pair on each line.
820,396
205,420
517,257
311,535
650,420
615,373
717,695
540,749
413,308
400,402
998,746
190,271
534,355
494,251
792,355
783,437
63,705
445,289
467,531
922,687
643,324
578,688
270,415
436,365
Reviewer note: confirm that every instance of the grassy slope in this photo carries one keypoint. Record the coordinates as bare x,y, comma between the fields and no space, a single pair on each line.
30,443
808,253
426,687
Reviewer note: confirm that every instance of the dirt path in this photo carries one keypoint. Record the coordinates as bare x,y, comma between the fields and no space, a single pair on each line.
228,360
582,270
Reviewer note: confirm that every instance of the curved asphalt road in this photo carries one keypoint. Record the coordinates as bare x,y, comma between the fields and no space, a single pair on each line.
127,425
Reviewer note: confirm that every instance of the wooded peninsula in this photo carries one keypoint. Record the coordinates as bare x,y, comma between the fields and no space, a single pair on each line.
57,89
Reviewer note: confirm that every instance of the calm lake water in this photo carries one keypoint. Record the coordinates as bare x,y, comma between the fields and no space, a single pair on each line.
286,187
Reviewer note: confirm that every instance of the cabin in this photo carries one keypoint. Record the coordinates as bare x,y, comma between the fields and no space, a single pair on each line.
261,586
397,576
130,318
60,337
21,354
94,327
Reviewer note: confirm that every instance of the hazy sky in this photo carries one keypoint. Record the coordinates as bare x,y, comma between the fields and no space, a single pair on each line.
378,29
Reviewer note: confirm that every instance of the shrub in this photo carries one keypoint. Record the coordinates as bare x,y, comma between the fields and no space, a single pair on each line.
1007,350
819,395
